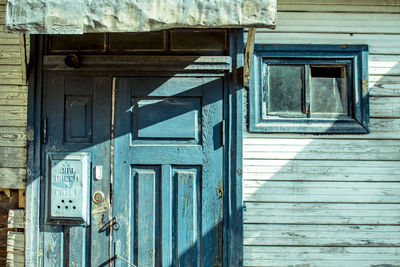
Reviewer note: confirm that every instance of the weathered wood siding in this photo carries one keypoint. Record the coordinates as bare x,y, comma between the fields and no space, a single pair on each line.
13,107
330,200
13,116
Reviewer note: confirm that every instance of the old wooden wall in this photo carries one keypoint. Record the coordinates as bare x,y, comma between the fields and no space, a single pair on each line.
13,110
331,200
13,107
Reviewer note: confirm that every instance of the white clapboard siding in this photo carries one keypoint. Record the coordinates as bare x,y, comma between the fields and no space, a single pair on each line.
328,149
380,128
337,22
321,213
13,114
381,88
385,107
354,6
6,175
15,95
15,248
384,68
335,192
13,136
321,235
330,200
320,256
321,170
9,57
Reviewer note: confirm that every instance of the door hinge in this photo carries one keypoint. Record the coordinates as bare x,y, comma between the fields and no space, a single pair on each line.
44,130
223,133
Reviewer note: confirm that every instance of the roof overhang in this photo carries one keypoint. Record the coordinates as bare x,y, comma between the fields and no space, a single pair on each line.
82,16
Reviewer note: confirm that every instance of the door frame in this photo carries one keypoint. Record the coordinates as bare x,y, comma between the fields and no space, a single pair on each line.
233,152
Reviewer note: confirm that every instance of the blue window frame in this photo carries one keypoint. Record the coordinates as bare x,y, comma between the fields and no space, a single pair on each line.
309,89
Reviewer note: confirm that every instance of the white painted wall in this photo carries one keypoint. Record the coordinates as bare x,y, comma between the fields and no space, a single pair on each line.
331,200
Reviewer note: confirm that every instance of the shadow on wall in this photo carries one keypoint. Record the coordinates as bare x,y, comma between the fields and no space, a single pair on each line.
328,200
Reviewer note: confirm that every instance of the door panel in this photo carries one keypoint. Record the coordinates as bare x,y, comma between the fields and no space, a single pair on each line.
78,114
168,171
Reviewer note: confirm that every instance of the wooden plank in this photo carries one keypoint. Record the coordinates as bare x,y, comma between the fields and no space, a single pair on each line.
23,65
12,81
337,22
321,213
13,136
13,177
384,68
321,235
384,85
15,260
15,242
2,17
12,157
10,48
13,72
265,175
9,36
16,218
385,107
321,170
358,144
307,149
9,57
369,154
13,95
378,43
384,65
248,56
15,249
340,192
342,2
9,39
10,68
13,116
21,199
369,6
380,128
321,256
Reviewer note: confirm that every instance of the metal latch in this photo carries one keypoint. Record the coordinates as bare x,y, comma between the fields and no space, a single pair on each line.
113,223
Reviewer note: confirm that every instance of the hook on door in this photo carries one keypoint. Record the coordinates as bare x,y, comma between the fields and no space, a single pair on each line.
113,224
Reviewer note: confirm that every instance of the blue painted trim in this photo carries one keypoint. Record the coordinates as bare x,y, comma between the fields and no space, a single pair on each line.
310,48
234,251
355,56
33,153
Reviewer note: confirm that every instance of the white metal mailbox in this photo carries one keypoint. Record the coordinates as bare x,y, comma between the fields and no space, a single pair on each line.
68,188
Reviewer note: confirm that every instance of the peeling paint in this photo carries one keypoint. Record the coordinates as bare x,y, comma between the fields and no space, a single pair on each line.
365,86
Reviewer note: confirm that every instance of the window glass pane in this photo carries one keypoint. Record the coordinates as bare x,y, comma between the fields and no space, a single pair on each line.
285,94
328,91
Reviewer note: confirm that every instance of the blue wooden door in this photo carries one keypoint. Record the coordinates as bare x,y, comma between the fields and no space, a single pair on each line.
76,118
168,171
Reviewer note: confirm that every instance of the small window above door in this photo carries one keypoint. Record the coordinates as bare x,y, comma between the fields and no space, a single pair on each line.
309,89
